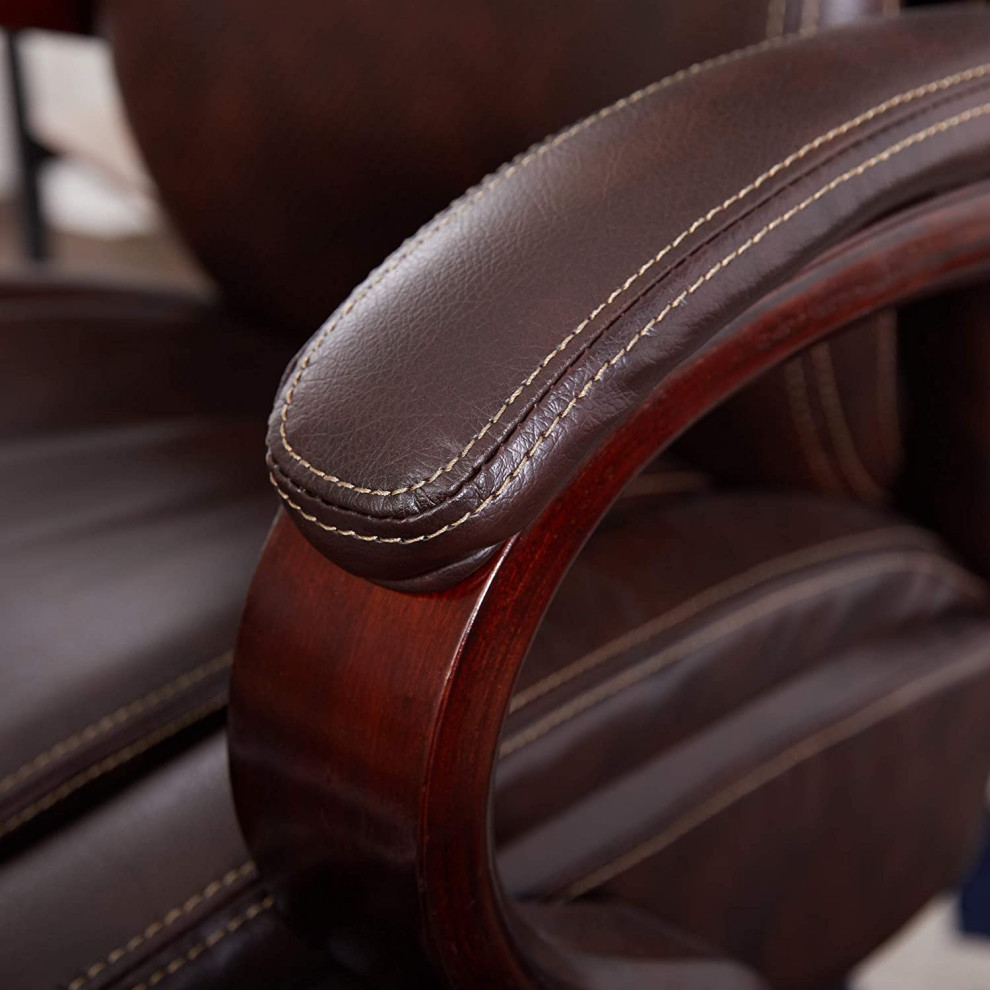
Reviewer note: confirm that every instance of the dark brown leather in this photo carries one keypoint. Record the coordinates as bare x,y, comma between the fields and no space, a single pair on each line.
154,883
741,833
295,160
134,509
829,420
407,389
741,707
296,151
703,585
815,577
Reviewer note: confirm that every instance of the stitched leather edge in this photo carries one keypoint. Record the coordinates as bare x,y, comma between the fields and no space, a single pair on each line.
927,133
210,942
121,716
839,732
908,96
767,570
857,477
802,419
455,209
111,762
900,562
168,919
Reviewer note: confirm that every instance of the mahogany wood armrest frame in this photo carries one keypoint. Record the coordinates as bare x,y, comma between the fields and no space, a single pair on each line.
366,713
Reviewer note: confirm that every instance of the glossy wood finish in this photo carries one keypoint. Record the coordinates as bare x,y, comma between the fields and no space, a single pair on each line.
365,721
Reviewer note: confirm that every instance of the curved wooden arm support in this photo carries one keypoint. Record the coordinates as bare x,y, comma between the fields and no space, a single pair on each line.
365,721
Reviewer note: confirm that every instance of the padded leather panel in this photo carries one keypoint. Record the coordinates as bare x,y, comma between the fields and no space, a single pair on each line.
742,706
153,887
692,609
134,510
296,151
829,420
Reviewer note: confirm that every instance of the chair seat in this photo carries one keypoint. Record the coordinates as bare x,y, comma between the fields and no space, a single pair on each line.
135,507
700,639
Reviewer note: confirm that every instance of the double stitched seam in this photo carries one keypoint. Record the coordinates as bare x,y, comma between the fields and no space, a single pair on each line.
110,763
919,562
884,156
210,942
768,570
850,464
899,100
803,420
176,914
445,219
841,731
112,721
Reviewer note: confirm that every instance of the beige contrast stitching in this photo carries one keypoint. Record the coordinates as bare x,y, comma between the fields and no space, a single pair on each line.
841,731
456,210
166,921
560,347
918,562
853,470
110,763
776,9
803,420
114,720
894,149
211,940
837,132
715,594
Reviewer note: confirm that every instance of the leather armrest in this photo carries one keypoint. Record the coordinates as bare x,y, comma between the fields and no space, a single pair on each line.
450,399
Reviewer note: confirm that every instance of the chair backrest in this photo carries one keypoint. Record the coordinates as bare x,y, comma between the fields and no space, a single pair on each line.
296,145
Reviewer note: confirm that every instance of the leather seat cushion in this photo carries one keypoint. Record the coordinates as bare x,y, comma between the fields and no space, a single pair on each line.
699,640
135,505
152,887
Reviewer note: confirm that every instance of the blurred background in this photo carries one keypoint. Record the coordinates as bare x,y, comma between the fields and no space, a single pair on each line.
94,200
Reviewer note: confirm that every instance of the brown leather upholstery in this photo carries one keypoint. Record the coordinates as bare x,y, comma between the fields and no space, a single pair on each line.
520,325
745,662
350,134
829,420
134,509
701,683
155,882
635,677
